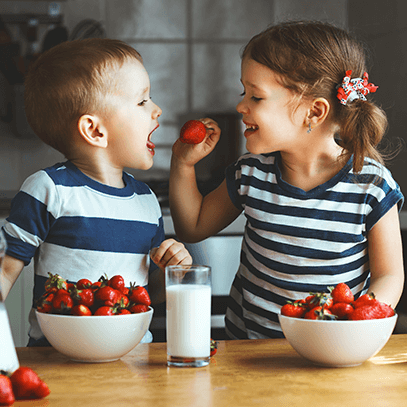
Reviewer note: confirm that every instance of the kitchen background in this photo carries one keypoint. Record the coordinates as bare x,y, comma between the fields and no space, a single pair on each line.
191,51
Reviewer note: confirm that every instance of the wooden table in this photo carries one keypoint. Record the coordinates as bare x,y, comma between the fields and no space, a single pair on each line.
242,373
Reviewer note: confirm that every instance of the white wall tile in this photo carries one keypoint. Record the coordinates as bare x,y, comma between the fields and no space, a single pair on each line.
146,18
216,76
237,19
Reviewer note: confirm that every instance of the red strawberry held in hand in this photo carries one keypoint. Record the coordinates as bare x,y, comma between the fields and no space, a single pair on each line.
193,132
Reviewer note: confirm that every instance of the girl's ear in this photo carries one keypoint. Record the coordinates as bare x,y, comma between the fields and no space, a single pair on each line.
318,112
92,131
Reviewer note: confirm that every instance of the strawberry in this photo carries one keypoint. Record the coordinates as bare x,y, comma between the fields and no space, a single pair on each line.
24,381
139,295
108,295
318,300
44,304
6,391
117,282
138,308
105,310
41,391
214,347
293,310
55,281
319,313
85,296
373,310
124,312
81,310
341,310
341,293
62,303
83,283
364,299
193,132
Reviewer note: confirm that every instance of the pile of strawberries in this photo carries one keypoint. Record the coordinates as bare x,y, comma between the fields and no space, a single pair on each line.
23,384
84,298
338,304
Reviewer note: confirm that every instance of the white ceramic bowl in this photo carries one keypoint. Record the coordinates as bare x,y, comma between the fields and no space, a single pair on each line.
337,343
95,338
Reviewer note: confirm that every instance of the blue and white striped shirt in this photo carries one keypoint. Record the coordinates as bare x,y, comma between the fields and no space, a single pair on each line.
297,241
79,228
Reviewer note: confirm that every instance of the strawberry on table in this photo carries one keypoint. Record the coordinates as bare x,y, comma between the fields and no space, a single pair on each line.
24,381
6,391
193,132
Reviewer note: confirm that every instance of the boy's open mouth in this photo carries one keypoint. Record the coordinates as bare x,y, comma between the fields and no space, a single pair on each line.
150,144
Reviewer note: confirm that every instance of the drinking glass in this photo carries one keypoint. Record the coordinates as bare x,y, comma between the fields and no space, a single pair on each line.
188,294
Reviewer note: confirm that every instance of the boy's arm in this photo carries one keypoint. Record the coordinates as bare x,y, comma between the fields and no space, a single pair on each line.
10,270
170,252
386,258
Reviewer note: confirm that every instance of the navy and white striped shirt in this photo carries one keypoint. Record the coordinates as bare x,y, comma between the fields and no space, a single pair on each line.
297,241
79,228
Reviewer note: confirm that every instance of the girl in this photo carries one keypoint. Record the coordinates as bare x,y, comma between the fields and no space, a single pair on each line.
320,206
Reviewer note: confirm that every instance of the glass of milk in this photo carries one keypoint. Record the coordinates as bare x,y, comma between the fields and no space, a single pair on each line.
188,294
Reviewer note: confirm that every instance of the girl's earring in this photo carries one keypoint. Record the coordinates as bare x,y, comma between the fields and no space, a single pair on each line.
309,128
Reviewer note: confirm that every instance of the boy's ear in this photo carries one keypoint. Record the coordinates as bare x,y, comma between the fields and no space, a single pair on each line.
92,131
319,111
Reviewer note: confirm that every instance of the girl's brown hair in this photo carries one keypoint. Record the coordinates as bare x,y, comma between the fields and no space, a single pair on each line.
311,59
68,81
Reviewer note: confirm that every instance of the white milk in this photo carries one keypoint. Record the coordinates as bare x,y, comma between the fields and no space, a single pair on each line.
188,320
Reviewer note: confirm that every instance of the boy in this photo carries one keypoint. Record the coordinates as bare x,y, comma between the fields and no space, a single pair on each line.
90,100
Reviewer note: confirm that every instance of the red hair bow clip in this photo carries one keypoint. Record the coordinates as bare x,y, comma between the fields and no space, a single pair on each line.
352,89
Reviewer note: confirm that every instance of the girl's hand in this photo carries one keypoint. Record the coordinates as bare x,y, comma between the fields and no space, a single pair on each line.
170,252
190,154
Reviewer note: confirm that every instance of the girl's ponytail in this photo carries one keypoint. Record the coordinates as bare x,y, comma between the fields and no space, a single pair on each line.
362,127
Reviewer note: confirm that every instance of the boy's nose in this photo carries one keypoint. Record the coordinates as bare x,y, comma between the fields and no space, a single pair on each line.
157,111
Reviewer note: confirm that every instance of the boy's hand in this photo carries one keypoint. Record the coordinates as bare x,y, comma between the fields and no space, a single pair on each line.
190,154
170,252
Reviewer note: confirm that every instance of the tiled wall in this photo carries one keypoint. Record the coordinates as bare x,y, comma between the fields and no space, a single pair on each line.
190,49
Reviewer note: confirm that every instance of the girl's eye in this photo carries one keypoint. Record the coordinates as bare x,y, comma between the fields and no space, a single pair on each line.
143,102
252,98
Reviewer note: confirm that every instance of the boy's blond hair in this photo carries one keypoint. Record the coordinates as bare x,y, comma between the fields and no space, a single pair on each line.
68,81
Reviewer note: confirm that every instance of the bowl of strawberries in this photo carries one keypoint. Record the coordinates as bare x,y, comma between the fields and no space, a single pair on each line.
334,329
94,321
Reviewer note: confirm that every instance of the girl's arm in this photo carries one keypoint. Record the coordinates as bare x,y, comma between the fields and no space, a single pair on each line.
386,258
196,217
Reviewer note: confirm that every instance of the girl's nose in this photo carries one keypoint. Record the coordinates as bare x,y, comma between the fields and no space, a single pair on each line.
240,107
